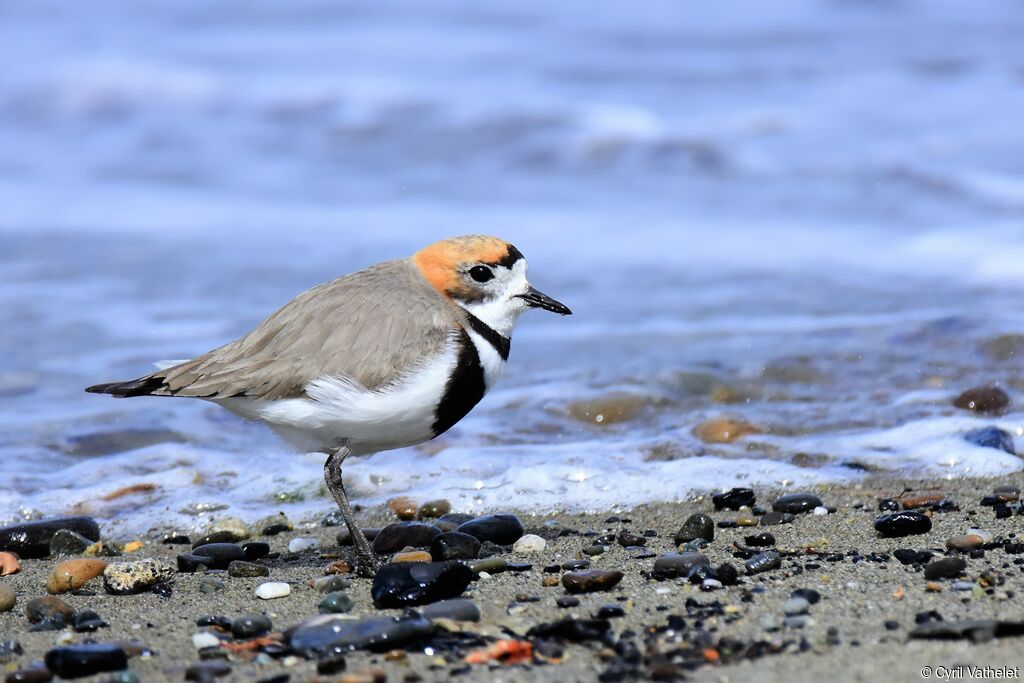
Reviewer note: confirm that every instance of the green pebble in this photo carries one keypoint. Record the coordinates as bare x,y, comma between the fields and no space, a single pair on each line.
336,603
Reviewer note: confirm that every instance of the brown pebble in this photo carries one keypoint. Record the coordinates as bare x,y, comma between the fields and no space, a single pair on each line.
9,564
412,556
607,410
434,508
338,567
7,598
590,580
924,500
983,400
403,507
72,574
724,430
370,676
746,520
933,587
48,607
965,542
550,581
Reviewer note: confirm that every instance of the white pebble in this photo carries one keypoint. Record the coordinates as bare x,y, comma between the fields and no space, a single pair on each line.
204,640
273,589
530,543
820,510
483,575
297,545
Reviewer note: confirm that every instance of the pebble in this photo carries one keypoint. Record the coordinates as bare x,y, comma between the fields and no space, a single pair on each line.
433,509
8,598
337,634
594,550
412,556
769,622
727,574
87,621
31,540
211,584
888,505
243,569
734,499
456,609
528,544
763,562
274,525
251,626
796,606
760,540
336,603
775,518
945,568
673,565
696,526
68,543
219,555
35,674
809,594
796,503
73,574
991,437
965,542
630,540
988,399
500,529
273,589
128,578
214,537
48,609
610,612
331,584
711,584
725,430
203,672
489,565
820,511
746,520
9,564
76,661
413,583
454,545
796,621
298,545
403,507
401,535
255,550
613,408
591,580
903,523
232,526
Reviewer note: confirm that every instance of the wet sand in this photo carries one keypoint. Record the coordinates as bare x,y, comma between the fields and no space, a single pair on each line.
844,639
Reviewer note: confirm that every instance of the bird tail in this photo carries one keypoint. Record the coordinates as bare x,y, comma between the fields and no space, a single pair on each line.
143,386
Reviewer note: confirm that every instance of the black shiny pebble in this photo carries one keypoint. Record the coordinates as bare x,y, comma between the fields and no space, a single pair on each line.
697,526
566,601
610,612
164,589
279,678
1002,511
189,563
727,574
31,540
251,626
734,499
892,625
763,562
627,539
407,584
87,621
888,505
275,529
175,538
575,630
211,620
945,568
797,503
223,536
552,569
331,663
1013,548
927,617
727,524
255,550
760,540
76,661
699,572
575,565
203,672
903,523
909,556
809,594
221,554
500,529
454,545
394,537
518,566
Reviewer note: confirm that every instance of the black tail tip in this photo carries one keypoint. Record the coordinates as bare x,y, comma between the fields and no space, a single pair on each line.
136,387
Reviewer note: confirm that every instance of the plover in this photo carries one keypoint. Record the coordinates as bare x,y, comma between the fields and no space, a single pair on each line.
387,357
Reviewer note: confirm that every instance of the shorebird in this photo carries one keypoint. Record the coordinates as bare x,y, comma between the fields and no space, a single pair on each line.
386,357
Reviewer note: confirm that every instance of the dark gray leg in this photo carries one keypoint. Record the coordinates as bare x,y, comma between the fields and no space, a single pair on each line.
367,563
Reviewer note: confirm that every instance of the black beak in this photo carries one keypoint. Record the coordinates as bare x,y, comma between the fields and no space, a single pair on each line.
537,299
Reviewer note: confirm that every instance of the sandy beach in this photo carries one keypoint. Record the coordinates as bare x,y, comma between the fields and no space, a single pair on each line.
859,630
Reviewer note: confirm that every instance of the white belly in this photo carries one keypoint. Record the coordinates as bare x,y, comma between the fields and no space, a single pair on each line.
338,410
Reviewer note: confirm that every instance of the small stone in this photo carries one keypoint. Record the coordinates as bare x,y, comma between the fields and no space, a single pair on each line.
211,584
202,672
769,622
988,399
338,567
820,511
333,633
254,550
610,612
489,565
68,543
403,507
774,518
500,529
746,520
727,574
613,408
133,547
75,661
945,568
204,639
31,540
762,539
796,503
8,598
87,621
336,603
921,501
412,556
796,606
331,584
696,526
414,583
454,545
401,535
49,609
1006,493
35,674
273,589
763,562
243,569
734,499
963,585
251,626
903,523
456,609
631,540
129,578
298,545
725,430
433,509
888,505
591,580
219,555
274,525
73,574
594,550
991,437
965,542
528,544
550,581
9,564
796,621
233,528
567,601
812,596
673,565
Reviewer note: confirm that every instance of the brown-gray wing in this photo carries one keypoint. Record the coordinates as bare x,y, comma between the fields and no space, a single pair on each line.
370,327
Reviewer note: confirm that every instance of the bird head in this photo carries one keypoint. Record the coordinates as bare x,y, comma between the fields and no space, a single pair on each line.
486,276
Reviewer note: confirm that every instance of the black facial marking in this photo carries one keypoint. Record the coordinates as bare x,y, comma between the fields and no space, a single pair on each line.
509,259
501,344
465,387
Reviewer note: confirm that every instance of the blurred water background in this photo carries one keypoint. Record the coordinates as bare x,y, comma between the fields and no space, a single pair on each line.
806,214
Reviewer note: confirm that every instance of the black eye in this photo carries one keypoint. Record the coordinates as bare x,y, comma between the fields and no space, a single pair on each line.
481,273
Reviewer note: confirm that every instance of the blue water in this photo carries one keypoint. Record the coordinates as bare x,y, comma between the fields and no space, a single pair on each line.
818,206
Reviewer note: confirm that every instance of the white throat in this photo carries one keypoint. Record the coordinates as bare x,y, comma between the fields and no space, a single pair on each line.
502,312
